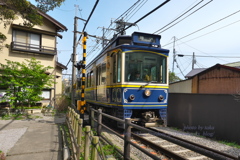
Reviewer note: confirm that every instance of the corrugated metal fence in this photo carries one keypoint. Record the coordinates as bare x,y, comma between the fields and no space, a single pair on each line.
212,115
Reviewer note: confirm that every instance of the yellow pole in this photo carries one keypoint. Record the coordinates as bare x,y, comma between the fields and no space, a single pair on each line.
82,103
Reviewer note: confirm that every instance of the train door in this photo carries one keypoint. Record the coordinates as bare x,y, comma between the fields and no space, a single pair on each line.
98,72
116,76
101,82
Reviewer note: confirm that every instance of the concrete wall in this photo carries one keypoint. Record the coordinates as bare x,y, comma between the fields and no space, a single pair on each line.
211,115
181,87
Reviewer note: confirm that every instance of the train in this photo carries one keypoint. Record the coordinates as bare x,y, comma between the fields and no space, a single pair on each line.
129,79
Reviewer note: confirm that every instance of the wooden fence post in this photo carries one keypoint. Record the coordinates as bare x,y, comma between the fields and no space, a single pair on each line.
92,118
87,142
94,152
127,138
99,125
76,125
71,118
79,137
68,112
73,122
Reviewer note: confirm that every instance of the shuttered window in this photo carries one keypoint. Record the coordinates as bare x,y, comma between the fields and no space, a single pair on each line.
25,40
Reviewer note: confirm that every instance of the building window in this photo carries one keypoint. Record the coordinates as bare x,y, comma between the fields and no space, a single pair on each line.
25,40
46,94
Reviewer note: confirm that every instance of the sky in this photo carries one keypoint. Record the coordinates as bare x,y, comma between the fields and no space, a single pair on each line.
211,32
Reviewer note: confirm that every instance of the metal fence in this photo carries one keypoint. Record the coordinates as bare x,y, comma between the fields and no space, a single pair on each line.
211,115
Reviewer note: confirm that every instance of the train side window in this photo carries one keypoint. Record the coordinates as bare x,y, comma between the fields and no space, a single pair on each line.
104,74
91,79
119,60
114,68
87,84
99,71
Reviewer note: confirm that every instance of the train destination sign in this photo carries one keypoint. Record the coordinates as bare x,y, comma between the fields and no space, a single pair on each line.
144,38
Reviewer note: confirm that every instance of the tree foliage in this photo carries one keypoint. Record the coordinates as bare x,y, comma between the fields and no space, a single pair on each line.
25,81
9,9
173,77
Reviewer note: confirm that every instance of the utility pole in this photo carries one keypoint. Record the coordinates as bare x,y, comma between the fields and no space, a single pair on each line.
174,53
121,26
74,62
103,36
193,60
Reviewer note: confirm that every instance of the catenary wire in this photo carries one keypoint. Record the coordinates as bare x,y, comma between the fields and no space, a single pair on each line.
206,26
185,17
178,17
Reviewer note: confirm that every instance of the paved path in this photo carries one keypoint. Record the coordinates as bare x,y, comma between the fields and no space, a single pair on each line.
35,139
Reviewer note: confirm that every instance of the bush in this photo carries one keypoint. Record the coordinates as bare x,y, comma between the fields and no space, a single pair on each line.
2,156
62,103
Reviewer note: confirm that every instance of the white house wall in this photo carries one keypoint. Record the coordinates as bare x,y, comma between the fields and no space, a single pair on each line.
181,87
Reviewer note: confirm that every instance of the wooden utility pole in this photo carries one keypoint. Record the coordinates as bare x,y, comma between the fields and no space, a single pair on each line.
74,62
193,60
174,53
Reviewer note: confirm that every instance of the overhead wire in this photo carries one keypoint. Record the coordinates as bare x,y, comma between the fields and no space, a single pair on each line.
136,9
213,31
159,6
108,32
128,10
162,4
94,7
206,26
178,18
186,17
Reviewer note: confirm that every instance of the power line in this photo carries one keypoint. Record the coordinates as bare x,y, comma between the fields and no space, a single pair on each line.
206,26
165,2
186,17
178,18
128,10
138,8
94,7
212,31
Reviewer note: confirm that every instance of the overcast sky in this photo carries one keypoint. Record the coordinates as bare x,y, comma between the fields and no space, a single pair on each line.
212,32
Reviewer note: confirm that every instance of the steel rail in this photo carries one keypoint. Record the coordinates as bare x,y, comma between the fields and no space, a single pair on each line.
195,144
157,148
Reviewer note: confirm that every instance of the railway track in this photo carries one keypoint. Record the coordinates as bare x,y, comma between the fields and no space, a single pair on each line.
177,148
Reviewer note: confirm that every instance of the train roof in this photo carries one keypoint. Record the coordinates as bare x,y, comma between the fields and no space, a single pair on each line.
132,42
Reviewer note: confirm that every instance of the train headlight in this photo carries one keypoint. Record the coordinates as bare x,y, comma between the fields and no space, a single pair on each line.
161,98
132,97
147,92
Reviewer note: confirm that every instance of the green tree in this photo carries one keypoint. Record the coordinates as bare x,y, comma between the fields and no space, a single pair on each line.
173,77
25,82
10,9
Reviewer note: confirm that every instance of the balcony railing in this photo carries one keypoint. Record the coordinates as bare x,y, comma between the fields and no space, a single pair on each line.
26,47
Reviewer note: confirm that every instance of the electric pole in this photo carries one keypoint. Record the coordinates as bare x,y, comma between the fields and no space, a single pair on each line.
174,53
74,62
193,60
103,36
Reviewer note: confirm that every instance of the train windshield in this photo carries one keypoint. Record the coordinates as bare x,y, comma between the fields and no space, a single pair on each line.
145,67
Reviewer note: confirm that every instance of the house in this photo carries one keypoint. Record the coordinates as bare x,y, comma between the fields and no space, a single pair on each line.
218,79
39,42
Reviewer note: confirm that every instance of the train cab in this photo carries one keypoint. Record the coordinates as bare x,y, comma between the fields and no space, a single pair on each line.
129,79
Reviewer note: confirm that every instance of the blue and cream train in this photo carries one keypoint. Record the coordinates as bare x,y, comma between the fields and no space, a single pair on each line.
112,85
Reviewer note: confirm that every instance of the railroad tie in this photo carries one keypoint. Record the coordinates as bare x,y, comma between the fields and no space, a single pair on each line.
195,158
181,151
170,145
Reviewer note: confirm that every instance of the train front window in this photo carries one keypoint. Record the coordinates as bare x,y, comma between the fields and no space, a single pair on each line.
145,67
